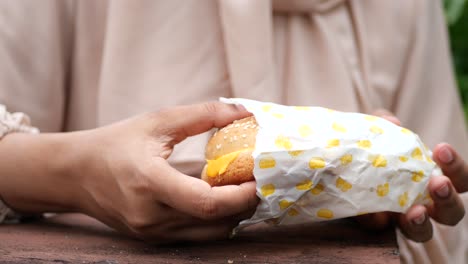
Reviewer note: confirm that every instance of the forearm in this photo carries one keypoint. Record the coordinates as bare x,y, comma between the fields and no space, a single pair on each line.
38,173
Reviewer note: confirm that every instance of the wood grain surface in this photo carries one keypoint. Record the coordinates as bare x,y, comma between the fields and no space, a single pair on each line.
74,238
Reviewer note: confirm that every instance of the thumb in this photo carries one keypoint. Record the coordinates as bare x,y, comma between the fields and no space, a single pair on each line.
184,121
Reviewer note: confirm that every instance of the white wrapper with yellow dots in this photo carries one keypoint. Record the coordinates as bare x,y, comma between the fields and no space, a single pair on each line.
317,164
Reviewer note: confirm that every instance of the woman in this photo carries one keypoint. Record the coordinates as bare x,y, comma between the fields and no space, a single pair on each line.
80,65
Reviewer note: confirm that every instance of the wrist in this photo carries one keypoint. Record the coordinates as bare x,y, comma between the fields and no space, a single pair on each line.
38,173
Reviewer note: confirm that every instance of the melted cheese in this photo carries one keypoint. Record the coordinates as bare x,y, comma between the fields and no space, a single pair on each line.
218,166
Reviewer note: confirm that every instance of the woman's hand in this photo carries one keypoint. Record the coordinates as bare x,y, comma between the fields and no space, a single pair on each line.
120,176
447,207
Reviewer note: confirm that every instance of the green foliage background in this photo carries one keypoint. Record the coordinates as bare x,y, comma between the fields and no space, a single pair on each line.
457,18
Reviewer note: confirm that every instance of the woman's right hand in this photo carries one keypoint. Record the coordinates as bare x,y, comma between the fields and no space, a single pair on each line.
119,174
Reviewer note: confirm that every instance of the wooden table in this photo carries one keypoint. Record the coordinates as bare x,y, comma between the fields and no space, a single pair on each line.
74,238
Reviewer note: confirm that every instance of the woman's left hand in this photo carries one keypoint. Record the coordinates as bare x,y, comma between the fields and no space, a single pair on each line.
447,208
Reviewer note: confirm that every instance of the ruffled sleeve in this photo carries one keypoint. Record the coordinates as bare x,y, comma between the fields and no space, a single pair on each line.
12,123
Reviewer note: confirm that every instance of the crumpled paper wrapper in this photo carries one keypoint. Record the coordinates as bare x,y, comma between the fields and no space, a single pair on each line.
317,164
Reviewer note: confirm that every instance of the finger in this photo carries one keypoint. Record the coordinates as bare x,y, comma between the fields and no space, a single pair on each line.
452,165
184,121
214,231
174,218
187,228
197,198
447,208
415,224
389,116
191,232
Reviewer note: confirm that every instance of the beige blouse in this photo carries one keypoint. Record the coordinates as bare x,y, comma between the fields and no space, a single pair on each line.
80,64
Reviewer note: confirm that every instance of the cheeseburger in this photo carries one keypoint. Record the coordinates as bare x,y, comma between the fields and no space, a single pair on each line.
229,154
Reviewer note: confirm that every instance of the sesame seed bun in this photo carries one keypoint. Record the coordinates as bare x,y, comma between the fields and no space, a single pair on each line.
229,154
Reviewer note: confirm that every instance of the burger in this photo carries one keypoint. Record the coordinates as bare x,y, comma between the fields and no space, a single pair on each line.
229,153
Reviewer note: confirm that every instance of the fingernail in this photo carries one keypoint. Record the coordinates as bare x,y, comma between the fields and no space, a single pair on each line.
240,107
443,192
420,219
445,155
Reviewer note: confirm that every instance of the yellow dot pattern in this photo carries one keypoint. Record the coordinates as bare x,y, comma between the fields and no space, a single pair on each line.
317,163
305,131
428,198
295,153
267,163
283,204
304,185
403,158
266,108
383,189
379,161
417,176
278,115
333,143
370,118
346,159
325,213
376,130
339,128
267,189
403,199
364,144
302,108
428,159
419,197
417,154
293,212
317,189
406,131
283,142
343,185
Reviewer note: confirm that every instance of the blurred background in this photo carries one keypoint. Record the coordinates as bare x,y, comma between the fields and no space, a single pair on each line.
456,12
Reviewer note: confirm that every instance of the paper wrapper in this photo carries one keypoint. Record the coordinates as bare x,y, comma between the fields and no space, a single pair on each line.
317,164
